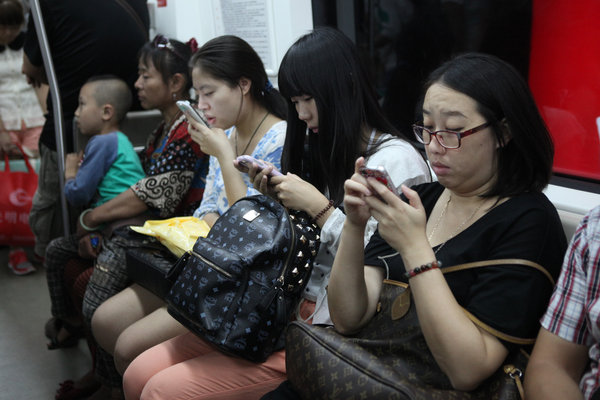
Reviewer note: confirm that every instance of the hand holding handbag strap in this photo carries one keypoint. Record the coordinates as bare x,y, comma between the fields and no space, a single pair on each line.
127,7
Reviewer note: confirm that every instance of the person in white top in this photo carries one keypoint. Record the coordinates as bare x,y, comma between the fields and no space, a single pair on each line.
334,118
21,116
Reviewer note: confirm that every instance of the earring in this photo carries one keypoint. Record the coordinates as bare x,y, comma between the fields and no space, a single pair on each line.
174,96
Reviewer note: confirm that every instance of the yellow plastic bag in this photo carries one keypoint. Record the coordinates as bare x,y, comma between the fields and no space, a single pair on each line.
178,234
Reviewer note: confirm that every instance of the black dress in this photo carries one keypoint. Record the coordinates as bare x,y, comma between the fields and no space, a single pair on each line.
509,298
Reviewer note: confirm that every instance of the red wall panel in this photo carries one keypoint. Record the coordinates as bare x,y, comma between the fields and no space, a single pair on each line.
564,76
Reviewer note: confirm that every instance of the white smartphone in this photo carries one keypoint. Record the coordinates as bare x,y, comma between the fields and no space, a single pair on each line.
187,108
381,175
245,161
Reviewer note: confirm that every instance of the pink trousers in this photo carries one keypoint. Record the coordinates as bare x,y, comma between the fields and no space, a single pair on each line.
186,367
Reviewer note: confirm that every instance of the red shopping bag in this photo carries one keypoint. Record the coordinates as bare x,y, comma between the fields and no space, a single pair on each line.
16,194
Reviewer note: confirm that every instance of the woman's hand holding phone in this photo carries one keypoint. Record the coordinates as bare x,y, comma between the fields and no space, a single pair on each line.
191,112
381,175
212,141
297,194
243,164
401,223
89,246
260,174
356,189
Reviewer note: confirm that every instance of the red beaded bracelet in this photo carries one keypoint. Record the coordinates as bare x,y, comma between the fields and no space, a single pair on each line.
425,267
323,211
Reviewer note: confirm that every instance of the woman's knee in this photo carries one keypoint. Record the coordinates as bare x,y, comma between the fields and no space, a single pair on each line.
135,378
104,329
103,284
127,348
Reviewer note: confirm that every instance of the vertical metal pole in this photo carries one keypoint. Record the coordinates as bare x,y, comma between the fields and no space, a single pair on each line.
36,14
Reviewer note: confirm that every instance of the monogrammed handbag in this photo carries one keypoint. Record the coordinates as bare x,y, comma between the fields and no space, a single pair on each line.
389,358
239,286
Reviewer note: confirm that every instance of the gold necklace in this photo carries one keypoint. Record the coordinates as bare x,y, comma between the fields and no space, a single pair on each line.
251,137
437,223
456,230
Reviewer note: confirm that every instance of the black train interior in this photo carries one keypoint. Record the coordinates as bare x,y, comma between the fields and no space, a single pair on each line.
401,41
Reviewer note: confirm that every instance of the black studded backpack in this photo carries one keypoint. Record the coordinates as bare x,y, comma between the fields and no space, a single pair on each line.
239,287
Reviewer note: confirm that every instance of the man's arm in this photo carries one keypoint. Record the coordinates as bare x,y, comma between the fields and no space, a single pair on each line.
6,143
36,75
555,368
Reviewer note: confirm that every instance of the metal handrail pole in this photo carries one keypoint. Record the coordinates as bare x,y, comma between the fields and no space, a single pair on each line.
36,14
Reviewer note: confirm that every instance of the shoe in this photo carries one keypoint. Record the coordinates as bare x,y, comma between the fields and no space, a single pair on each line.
52,329
38,261
18,262
68,391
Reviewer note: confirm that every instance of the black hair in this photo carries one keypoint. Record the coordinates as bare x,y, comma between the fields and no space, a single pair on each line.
11,13
503,97
229,58
113,91
170,59
325,65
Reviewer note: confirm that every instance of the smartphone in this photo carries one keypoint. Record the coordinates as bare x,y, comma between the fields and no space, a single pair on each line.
245,161
381,175
193,112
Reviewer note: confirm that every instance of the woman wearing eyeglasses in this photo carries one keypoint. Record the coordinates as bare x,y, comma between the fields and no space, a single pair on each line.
492,155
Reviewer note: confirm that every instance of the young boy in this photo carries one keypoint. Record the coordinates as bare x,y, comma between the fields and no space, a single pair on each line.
109,164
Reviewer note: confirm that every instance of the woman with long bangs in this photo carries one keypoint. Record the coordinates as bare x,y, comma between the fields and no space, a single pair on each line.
334,117
315,69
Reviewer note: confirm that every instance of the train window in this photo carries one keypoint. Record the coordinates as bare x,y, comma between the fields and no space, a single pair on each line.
548,42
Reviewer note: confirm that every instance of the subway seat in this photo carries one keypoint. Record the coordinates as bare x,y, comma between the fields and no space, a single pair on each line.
572,205
137,125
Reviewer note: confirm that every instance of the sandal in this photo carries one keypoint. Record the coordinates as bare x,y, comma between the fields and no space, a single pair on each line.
75,333
68,391
52,327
